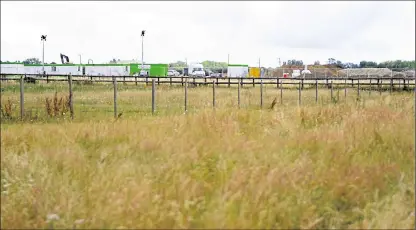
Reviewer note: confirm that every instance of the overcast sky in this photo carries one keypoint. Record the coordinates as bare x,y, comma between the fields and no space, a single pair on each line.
197,31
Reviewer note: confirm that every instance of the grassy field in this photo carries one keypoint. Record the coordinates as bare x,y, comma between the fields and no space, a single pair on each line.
342,163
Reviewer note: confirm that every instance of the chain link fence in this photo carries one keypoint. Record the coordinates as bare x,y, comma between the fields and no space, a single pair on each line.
338,72
316,72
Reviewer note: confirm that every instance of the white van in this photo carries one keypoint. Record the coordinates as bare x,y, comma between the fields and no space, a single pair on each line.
196,70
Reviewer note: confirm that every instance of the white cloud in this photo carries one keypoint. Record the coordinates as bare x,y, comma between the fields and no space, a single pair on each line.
349,31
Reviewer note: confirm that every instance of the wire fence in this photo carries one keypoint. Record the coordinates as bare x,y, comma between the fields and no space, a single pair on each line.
319,72
360,84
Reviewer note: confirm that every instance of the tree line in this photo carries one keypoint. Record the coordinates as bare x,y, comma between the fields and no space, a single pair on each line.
399,64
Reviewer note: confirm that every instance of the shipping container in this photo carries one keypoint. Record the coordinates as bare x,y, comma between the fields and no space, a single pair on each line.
237,71
12,68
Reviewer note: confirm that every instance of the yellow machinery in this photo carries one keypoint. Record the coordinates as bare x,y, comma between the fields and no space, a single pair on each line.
254,72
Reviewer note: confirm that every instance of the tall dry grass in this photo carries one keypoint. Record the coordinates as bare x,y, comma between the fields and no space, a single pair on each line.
332,165
57,106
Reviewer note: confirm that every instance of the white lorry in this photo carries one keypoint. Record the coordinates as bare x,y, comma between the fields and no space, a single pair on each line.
196,70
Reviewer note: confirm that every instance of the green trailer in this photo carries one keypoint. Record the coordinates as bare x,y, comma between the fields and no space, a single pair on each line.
154,70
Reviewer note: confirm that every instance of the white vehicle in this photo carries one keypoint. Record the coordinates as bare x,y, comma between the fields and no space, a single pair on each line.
296,73
173,73
196,70
306,71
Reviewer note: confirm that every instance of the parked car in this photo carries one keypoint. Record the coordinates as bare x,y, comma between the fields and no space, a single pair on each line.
143,73
208,72
173,73
216,75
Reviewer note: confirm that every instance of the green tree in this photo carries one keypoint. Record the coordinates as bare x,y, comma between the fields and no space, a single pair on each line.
32,61
214,64
178,64
331,61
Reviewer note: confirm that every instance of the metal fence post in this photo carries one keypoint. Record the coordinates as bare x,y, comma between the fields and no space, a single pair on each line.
238,97
71,97
358,87
261,93
21,97
115,96
213,94
300,94
302,83
316,91
391,81
153,96
281,92
186,94
391,85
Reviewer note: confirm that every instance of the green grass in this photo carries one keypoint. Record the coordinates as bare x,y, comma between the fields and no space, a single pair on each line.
348,164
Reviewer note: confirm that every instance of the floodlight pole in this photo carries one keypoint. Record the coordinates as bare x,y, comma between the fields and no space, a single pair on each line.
43,39
142,47
142,52
43,56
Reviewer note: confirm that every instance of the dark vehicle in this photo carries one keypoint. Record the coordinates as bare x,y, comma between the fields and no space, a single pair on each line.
208,73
